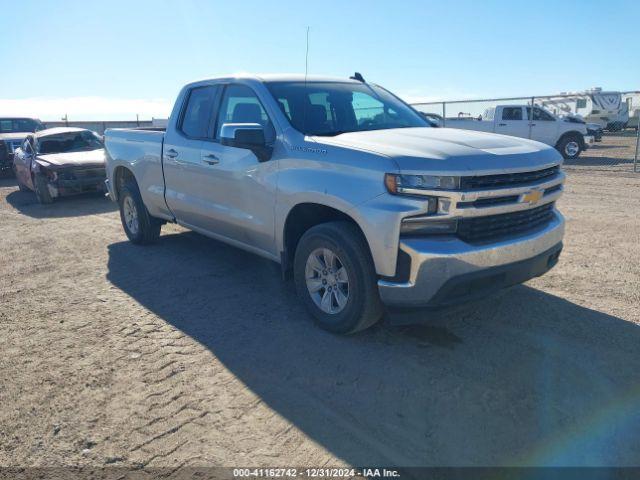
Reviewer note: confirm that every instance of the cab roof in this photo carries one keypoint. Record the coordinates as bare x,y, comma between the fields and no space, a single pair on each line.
278,77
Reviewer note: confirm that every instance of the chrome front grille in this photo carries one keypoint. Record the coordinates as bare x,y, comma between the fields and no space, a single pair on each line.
81,173
503,180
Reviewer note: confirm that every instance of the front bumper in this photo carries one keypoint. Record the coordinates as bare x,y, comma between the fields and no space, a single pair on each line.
446,271
64,187
589,140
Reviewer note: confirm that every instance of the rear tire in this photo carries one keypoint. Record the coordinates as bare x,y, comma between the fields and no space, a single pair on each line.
570,147
140,227
335,278
42,190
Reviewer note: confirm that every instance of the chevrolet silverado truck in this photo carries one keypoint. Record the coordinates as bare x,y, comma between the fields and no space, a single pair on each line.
568,135
12,132
348,188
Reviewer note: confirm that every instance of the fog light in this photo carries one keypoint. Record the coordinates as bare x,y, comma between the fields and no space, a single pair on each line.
427,225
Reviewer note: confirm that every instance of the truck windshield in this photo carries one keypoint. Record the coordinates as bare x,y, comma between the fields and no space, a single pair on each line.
69,142
332,108
14,125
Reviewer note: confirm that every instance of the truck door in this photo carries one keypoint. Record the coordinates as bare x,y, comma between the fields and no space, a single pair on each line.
184,170
544,127
240,193
511,121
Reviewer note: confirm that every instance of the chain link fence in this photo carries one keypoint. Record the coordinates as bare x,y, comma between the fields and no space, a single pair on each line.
610,120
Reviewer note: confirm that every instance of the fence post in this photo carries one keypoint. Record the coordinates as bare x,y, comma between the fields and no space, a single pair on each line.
444,114
635,159
530,116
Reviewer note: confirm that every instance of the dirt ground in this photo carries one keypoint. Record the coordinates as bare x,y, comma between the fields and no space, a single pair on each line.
193,353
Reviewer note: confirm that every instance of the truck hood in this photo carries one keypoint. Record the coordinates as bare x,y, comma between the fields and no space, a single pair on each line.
449,150
74,159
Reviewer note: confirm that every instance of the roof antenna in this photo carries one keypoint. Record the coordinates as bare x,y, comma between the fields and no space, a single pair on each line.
306,71
306,58
358,77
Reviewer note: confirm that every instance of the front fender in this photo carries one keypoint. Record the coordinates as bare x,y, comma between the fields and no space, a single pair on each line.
339,183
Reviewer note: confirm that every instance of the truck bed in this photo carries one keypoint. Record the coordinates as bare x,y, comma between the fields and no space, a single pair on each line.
140,151
134,144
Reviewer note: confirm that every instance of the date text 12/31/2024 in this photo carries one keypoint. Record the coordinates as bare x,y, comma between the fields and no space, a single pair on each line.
315,472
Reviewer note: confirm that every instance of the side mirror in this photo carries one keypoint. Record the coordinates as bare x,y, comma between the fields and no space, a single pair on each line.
246,135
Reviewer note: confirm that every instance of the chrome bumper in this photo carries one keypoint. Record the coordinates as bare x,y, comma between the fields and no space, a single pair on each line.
441,266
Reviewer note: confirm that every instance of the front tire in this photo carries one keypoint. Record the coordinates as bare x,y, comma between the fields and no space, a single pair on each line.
42,190
140,227
570,147
336,279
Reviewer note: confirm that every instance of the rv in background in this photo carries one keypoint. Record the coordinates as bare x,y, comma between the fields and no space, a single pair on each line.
634,119
607,109
633,104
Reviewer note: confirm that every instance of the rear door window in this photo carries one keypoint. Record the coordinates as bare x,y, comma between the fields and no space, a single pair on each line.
512,113
198,111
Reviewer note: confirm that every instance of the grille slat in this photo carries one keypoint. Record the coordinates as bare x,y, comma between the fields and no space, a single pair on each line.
81,173
507,179
495,226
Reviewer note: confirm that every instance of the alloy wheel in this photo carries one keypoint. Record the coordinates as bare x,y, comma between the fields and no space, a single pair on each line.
327,280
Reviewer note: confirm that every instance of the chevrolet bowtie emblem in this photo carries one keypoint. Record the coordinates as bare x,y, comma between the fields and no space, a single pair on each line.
532,197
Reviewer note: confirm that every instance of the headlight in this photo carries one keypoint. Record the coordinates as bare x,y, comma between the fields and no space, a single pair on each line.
415,184
427,225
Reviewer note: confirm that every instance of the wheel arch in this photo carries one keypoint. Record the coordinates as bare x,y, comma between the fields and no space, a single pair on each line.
121,174
572,133
303,216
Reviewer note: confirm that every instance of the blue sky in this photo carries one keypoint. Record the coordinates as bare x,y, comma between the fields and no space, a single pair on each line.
113,59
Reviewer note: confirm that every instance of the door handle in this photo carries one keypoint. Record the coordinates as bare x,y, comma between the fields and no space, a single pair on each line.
502,124
211,159
171,153
532,124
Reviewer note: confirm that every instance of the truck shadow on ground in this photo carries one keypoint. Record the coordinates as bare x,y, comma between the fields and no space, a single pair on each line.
523,378
72,206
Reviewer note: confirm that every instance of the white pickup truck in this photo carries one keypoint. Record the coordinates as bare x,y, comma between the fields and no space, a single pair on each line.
348,188
569,138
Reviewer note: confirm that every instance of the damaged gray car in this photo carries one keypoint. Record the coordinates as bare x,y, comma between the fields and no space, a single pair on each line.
60,161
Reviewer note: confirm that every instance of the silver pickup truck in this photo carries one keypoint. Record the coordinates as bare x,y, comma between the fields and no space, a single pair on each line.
348,188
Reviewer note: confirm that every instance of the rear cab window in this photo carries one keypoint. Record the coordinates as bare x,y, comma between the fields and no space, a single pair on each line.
512,113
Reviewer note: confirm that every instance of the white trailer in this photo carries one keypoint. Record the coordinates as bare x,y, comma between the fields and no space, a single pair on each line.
608,109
